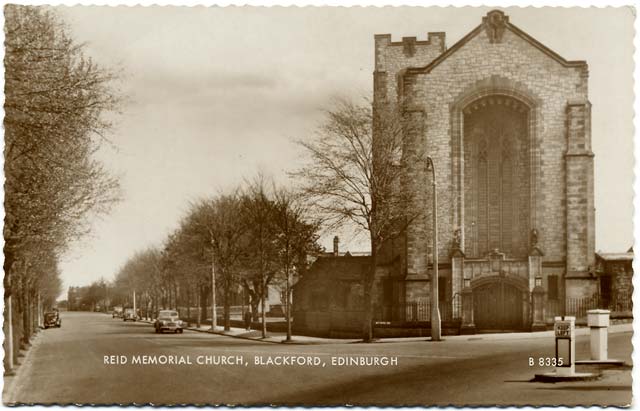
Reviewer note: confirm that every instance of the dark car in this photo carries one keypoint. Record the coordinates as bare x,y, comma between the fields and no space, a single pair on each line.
129,315
168,320
52,319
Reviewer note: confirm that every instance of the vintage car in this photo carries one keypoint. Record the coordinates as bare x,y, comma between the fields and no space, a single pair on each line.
117,312
129,314
168,320
52,319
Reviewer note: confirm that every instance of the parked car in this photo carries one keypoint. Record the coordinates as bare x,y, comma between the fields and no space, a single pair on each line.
129,314
52,319
117,312
168,320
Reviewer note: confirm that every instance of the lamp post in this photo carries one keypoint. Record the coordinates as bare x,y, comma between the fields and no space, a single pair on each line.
435,309
288,303
214,314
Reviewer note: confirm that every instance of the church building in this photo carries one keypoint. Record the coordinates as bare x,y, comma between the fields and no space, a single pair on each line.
507,124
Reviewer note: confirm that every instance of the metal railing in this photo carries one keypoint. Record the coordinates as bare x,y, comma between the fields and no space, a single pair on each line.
617,302
418,311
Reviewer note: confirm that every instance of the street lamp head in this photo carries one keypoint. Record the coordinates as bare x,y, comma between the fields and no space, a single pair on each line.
429,163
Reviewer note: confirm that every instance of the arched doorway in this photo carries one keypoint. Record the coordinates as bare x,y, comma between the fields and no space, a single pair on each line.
498,305
496,176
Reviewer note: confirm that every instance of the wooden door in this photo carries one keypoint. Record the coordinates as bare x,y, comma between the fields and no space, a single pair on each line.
497,306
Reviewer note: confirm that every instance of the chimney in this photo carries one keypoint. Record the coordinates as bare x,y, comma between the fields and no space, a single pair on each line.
336,242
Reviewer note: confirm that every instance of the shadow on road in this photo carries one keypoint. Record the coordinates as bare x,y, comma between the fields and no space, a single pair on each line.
588,388
366,390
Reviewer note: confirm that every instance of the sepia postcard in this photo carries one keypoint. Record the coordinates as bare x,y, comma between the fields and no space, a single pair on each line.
318,206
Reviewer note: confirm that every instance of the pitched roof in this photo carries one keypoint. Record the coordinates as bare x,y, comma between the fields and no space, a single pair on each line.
628,256
347,254
340,267
503,21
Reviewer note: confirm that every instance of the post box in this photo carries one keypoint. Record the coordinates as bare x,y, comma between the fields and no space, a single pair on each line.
598,321
565,332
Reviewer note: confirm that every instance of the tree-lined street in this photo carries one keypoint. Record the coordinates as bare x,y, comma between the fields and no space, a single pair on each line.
459,370
186,169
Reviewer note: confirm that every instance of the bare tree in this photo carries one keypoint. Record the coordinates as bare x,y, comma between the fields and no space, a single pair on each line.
296,239
353,176
260,259
55,101
217,222
141,274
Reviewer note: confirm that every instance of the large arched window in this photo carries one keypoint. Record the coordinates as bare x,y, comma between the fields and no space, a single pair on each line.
496,170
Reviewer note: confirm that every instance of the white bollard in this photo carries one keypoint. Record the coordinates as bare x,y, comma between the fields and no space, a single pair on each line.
565,332
598,321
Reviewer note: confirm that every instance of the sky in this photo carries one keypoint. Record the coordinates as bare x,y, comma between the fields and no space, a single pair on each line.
216,95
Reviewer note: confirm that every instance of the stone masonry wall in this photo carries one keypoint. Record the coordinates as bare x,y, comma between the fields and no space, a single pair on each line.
390,59
511,64
579,196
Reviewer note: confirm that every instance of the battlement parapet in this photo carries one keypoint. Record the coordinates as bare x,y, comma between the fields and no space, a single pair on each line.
409,51
392,57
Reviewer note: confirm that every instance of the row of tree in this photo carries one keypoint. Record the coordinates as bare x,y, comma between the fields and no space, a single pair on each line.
93,297
55,99
55,104
247,239
260,234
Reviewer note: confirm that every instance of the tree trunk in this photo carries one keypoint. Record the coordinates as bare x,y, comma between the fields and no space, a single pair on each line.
367,325
9,350
175,295
263,300
25,317
39,312
227,306
244,301
288,305
188,305
214,312
154,305
203,302
254,302
198,312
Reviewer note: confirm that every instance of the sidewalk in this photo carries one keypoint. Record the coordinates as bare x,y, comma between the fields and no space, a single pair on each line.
613,329
20,367
272,337
279,337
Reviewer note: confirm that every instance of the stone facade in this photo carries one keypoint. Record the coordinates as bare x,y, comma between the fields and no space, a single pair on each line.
507,123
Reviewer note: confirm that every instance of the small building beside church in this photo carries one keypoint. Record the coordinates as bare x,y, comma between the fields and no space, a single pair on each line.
615,276
329,300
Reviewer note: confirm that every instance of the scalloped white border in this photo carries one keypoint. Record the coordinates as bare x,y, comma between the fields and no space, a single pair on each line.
381,3
376,3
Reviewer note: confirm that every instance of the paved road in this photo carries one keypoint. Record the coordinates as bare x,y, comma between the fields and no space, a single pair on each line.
66,365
